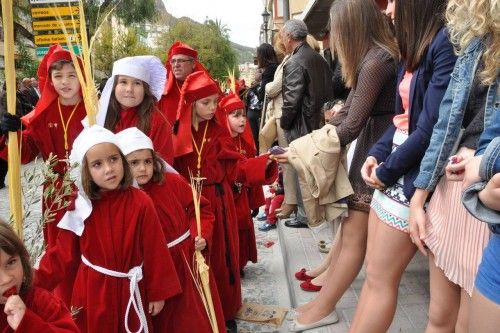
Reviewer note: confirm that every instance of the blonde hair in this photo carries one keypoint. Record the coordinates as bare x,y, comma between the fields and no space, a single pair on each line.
476,19
355,27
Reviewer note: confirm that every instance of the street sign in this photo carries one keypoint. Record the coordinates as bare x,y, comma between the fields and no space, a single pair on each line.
56,25
38,12
42,50
57,39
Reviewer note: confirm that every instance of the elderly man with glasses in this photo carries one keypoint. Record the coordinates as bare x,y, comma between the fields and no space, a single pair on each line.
182,60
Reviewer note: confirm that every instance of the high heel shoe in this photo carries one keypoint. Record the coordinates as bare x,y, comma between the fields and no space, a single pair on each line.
309,286
286,211
332,318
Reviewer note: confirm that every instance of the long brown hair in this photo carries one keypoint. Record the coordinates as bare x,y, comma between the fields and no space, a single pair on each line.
92,190
144,110
11,244
355,27
417,22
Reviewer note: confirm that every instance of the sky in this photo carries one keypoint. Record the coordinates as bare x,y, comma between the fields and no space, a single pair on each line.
242,17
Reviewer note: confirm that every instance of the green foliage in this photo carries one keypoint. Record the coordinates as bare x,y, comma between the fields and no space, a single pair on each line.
210,39
111,46
26,63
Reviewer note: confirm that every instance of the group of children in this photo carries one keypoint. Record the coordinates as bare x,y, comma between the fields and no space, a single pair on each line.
120,256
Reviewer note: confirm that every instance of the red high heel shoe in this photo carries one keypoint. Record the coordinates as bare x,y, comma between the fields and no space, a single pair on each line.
309,286
302,276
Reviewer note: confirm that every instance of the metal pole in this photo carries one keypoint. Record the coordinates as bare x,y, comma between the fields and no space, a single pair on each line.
286,10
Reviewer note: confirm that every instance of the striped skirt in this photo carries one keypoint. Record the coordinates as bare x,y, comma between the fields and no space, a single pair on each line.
456,239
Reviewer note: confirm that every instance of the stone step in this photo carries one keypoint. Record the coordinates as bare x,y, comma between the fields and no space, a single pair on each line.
300,249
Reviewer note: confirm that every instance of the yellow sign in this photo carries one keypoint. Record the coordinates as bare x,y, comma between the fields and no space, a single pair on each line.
55,25
56,39
54,11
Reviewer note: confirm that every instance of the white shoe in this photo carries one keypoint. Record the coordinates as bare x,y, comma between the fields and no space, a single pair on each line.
332,318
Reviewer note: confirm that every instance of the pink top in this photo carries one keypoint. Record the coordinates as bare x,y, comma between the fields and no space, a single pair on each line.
401,120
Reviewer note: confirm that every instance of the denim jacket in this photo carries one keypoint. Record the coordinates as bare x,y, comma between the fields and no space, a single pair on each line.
427,88
451,114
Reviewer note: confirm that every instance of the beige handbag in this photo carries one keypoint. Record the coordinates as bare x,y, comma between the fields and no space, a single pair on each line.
268,134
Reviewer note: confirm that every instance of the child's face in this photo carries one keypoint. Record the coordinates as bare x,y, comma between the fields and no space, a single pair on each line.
129,91
237,121
105,166
205,108
141,164
66,84
11,273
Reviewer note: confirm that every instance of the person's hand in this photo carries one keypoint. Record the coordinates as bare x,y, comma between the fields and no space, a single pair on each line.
10,123
416,223
456,166
200,243
471,174
15,310
155,307
281,158
376,180
367,170
490,195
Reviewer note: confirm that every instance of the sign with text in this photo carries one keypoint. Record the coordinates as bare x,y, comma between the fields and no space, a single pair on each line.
55,25
57,39
47,2
38,12
42,50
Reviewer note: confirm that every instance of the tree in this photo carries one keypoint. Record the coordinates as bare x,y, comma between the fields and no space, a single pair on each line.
210,39
26,64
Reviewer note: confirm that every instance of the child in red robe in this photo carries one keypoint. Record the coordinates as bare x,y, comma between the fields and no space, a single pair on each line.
129,99
174,203
24,308
248,176
51,129
114,238
201,148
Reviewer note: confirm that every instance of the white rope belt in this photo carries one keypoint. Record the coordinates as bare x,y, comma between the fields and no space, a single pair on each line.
134,275
179,240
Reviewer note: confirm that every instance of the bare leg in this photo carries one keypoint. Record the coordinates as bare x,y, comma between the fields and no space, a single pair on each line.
484,314
462,325
444,303
344,271
387,258
316,271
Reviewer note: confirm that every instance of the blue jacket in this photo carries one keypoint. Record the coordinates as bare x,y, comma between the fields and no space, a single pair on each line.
451,114
492,131
427,88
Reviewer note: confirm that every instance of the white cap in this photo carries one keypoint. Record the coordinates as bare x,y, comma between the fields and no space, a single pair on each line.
132,139
73,220
147,68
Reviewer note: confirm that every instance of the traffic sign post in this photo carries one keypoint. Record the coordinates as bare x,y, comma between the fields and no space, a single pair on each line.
52,21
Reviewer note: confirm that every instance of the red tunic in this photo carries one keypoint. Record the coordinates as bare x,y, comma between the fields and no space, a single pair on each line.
122,232
44,313
168,103
248,177
45,135
217,159
160,131
174,203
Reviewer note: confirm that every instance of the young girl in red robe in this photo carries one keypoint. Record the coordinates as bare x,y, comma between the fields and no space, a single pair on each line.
114,238
129,99
201,147
24,308
248,176
174,204
51,129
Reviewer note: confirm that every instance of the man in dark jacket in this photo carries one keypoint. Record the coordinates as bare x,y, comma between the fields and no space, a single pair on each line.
307,85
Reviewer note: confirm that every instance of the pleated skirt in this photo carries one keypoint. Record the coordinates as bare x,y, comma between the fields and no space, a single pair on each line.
456,239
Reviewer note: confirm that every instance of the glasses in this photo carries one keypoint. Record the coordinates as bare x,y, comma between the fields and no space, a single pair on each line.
179,61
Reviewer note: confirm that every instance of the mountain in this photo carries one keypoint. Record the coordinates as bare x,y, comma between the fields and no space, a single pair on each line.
243,53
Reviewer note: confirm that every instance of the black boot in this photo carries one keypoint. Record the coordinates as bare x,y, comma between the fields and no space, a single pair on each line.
231,326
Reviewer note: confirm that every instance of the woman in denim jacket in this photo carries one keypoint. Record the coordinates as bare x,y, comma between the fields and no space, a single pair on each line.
428,60
482,199
455,239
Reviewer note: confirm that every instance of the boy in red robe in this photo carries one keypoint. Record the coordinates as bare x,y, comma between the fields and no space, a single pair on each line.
129,99
248,176
201,148
173,198
114,239
51,129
